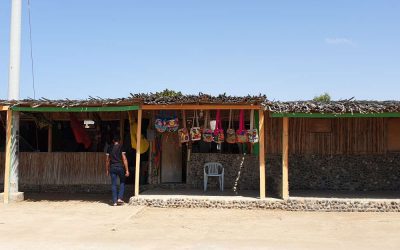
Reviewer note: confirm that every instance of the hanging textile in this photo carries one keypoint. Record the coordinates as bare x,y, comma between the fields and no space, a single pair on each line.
79,132
218,135
144,144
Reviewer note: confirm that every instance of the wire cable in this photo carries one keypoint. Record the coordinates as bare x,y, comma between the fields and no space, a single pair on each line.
30,40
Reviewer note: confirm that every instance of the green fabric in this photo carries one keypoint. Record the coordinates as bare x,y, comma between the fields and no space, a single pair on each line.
256,146
75,109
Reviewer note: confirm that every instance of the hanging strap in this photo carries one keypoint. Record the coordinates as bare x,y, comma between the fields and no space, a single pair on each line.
230,119
241,120
195,117
205,119
252,119
218,124
183,118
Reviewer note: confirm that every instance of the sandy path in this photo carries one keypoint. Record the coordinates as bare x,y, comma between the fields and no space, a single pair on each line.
91,225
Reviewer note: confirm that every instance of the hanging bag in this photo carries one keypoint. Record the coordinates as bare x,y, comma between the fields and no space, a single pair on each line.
172,123
252,133
183,132
160,123
195,132
207,132
241,133
218,135
230,132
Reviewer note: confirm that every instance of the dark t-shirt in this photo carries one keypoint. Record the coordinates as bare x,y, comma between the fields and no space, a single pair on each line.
115,152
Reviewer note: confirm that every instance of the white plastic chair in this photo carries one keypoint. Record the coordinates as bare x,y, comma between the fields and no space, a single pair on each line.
214,169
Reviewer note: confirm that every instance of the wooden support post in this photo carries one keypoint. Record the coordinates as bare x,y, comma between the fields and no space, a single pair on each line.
285,158
122,127
8,158
50,136
262,153
138,137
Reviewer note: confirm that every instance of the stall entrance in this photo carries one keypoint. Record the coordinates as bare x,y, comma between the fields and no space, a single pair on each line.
171,163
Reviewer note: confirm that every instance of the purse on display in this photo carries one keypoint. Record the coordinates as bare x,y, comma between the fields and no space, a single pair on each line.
183,132
218,134
230,132
160,123
207,132
195,132
241,133
252,133
172,123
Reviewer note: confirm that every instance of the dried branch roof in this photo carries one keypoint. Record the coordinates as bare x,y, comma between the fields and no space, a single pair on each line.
150,98
201,98
333,107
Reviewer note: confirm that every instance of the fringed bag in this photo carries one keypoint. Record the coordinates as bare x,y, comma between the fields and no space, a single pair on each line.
230,132
218,135
195,132
241,133
252,133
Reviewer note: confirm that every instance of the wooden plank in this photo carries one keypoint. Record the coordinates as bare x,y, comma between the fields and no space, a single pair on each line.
7,165
3,108
285,158
262,153
199,107
50,137
138,137
122,127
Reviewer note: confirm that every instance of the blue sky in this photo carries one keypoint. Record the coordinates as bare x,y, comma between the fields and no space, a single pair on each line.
289,50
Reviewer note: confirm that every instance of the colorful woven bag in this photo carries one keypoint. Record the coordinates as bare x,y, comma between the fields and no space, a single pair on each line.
218,134
207,132
172,123
195,132
252,133
183,132
241,133
160,123
230,132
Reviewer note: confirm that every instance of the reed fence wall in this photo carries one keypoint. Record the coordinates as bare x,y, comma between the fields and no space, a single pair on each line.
60,168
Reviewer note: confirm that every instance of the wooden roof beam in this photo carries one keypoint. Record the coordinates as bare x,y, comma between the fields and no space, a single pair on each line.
199,106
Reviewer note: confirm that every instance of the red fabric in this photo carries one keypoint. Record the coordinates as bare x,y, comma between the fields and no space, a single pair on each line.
79,132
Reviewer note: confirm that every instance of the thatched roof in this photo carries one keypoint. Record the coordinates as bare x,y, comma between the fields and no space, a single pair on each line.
333,107
150,98
90,102
201,98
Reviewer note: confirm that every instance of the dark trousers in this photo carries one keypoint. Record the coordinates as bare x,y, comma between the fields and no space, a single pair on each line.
115,172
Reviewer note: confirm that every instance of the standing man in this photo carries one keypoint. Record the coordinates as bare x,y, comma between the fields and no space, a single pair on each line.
117,166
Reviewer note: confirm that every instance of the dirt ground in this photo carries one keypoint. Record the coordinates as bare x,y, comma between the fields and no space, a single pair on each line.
92,224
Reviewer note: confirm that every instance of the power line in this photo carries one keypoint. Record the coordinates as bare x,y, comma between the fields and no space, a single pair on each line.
30,40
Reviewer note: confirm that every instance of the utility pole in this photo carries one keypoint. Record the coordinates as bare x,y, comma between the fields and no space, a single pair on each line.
12,146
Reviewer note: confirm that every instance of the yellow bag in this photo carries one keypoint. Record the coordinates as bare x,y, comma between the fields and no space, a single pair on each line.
144,144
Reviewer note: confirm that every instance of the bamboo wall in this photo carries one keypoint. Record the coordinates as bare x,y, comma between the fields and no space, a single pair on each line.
60,168
346,136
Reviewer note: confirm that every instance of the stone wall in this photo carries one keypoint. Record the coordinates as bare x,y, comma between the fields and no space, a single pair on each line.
306,172
339,172
321,205
241,171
